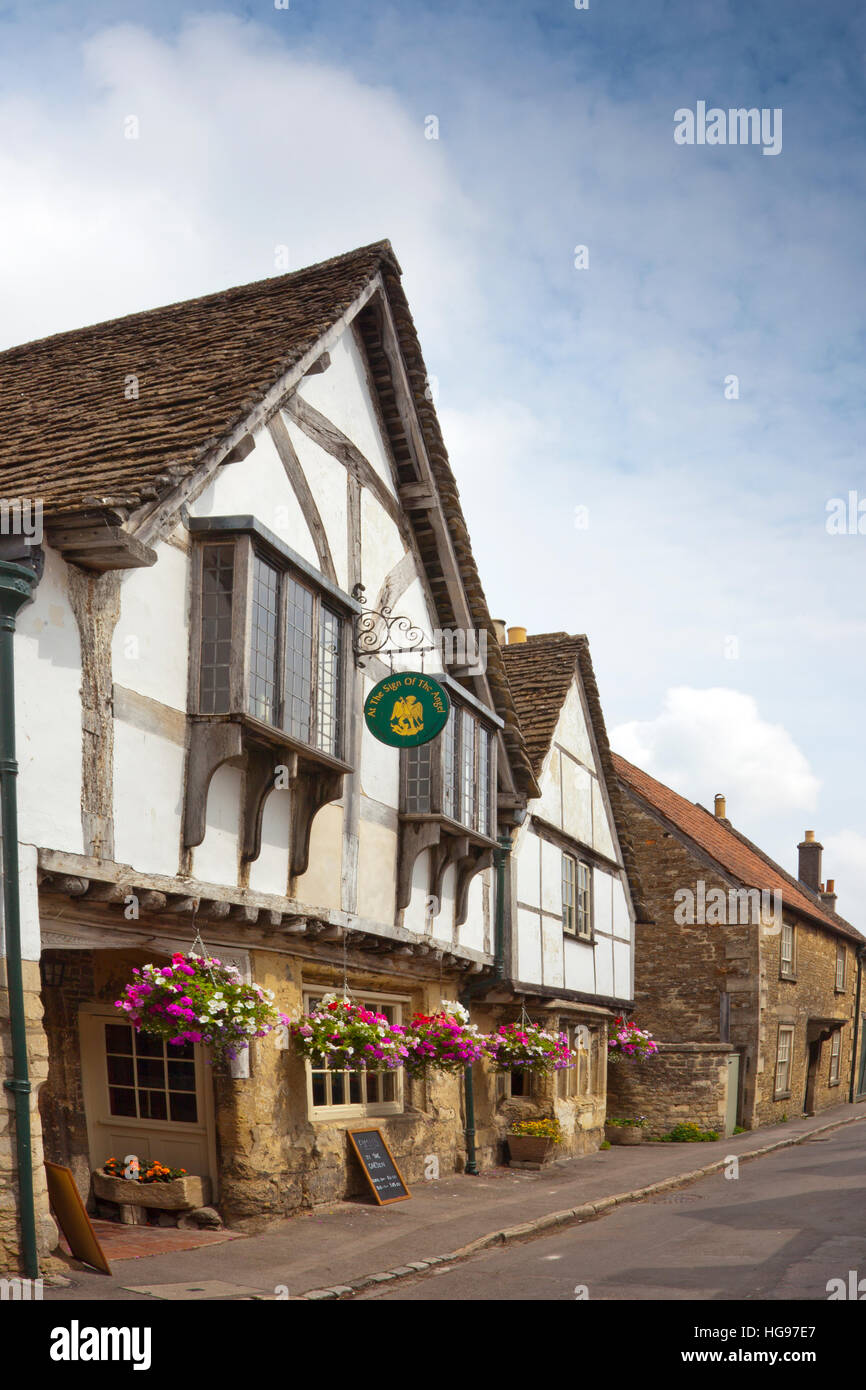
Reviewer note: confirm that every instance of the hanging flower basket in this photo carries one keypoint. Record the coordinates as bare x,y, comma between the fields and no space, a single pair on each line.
527,1047
346,1037
630,1043
198,999
444,1041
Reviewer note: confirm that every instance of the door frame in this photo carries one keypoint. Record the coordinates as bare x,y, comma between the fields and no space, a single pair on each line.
209,1118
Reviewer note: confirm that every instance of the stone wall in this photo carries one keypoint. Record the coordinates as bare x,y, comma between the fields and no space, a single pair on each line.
46,1231
683,1081
810,994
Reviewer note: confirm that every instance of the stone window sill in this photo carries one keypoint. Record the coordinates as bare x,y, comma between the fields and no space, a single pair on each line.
785,975
782,1095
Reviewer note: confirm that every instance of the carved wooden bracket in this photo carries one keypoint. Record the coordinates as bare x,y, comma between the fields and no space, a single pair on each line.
452,849
311,788
210,746
414,839
471,864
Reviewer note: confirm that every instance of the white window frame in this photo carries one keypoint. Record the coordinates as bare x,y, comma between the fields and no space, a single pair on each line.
784,1058
356,1109
841,967
576,896
835,1057
786,960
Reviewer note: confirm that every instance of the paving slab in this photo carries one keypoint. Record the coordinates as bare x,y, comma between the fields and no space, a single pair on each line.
351,1241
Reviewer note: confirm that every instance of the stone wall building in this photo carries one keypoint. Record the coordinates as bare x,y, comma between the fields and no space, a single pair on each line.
248,515
746,975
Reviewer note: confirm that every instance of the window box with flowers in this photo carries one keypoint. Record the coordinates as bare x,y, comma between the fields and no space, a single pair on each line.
533,1141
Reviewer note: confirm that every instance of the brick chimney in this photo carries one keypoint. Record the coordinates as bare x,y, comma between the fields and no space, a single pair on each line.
809,871
828,896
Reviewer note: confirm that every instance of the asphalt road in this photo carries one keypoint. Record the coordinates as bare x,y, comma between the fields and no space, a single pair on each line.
783,1228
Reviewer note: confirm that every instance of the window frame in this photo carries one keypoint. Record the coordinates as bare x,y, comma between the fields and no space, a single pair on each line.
841,960
787,966
787,1029
578,921
576,1083
354,1110
247,548
836,1057
448,778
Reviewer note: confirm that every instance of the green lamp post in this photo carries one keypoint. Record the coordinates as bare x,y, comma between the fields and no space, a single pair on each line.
16,587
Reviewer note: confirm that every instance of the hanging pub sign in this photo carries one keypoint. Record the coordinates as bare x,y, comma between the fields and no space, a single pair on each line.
406,708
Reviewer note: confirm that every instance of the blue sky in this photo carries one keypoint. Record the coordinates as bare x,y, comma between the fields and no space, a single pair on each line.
727,625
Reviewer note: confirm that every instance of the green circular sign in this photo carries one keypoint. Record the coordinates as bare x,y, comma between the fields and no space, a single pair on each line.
406,708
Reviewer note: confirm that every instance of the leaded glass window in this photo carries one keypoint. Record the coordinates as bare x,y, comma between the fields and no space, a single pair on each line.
216,628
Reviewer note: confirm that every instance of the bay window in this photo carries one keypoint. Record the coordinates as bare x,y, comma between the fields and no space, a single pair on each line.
453,776
271,644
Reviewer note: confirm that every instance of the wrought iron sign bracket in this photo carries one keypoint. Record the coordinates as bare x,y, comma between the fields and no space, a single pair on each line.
383,633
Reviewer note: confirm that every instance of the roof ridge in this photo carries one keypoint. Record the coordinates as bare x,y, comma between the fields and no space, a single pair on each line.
814,907
384,247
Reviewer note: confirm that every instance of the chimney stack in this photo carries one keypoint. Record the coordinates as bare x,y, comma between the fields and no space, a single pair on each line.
516,635
809,871
499,629
719,807
828,897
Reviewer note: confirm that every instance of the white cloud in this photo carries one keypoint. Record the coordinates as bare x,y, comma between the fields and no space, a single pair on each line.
708,741
243,146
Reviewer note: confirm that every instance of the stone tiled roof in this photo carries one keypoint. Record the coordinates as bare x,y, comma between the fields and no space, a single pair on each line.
744,861
72,438
540,672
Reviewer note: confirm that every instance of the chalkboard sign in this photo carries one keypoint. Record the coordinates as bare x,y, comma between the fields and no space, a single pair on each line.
379,1167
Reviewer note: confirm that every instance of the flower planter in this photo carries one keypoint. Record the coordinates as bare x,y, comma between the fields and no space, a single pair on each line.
181,1194
623,1134
529,1148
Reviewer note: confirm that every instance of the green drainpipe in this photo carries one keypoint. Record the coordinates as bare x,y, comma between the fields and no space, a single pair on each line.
500,859
16,585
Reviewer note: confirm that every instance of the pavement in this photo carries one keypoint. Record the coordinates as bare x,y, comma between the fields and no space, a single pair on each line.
337,1251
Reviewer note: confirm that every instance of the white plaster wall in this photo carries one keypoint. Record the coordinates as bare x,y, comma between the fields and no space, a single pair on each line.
579,966
215,860
270,872
551,945
326,478
443,922
604,966
528,870
622,970
150,645
602,839
48,715
380,765
148,782
602,905
341,393
415,914
28,897
258,486
549,804
321,885
551,879
377,861
528,946
382,548
572,730
621,920
576,800
472,930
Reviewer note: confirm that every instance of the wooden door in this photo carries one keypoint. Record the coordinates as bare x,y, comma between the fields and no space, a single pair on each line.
812,1077
144,1097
